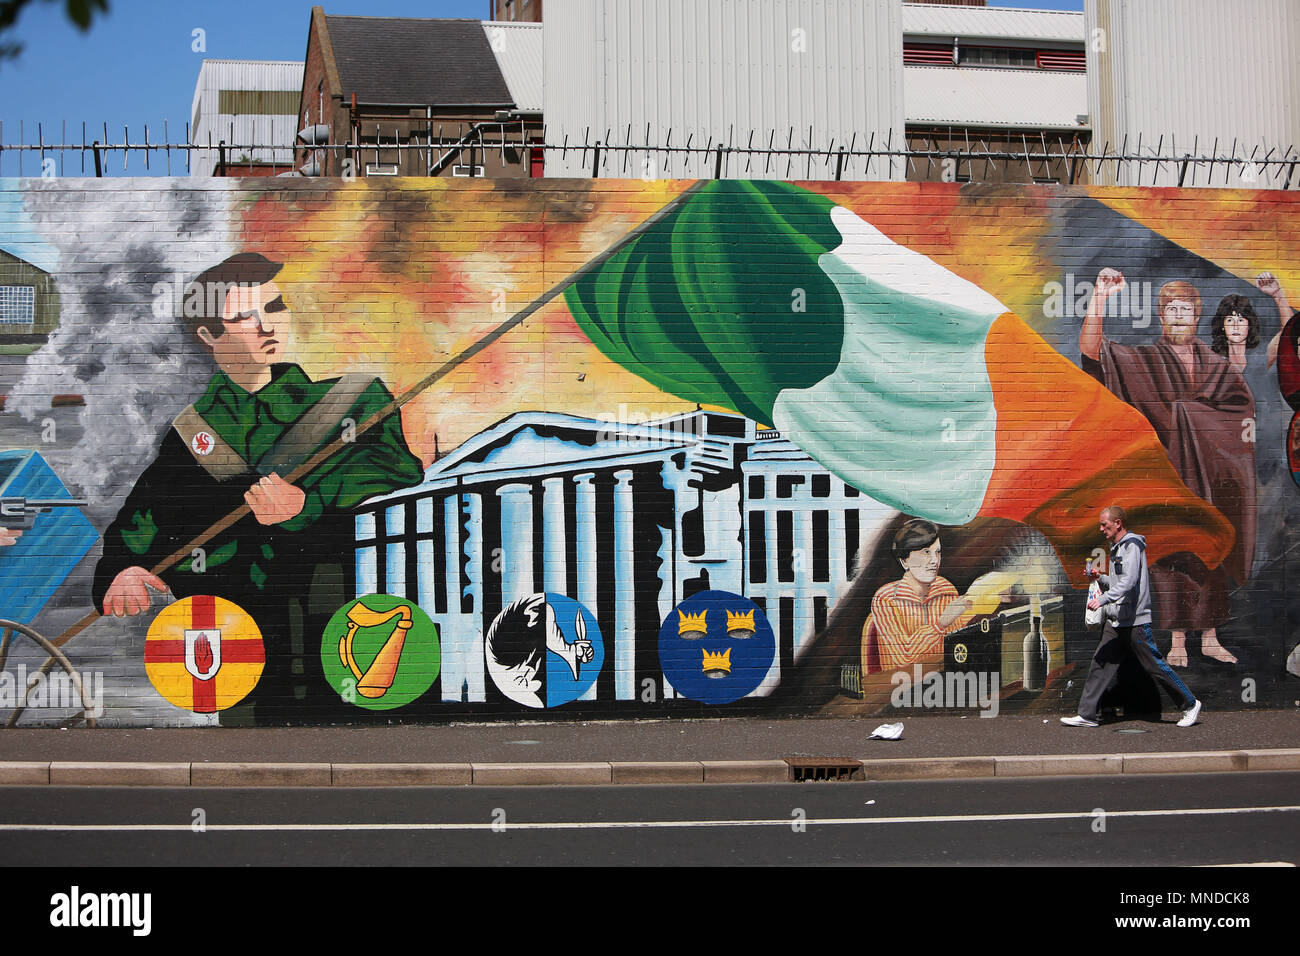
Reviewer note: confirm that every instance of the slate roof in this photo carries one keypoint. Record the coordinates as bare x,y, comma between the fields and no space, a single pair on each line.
416,62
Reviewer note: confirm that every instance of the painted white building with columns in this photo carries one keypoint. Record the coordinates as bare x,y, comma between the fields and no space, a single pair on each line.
628,519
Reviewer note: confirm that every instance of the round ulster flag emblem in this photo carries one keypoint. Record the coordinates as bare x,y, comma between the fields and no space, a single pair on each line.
202,443
204,653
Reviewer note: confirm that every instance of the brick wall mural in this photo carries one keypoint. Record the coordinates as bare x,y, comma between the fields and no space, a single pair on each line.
341,452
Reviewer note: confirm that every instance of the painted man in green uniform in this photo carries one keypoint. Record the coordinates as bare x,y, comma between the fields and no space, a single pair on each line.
288,562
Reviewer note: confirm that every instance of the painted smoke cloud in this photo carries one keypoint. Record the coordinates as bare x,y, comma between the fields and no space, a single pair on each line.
134,369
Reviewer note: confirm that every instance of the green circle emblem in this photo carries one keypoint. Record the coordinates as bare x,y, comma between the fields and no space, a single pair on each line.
380,652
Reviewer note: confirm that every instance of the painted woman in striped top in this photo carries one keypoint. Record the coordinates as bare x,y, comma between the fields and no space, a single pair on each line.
913,614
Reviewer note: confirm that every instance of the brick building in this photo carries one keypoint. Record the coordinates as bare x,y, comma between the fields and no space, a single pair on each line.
377,83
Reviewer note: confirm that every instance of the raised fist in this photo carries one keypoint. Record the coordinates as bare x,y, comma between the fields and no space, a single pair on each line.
1267,283
1109,281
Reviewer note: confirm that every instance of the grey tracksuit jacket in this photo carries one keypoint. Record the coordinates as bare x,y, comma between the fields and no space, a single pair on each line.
1127,600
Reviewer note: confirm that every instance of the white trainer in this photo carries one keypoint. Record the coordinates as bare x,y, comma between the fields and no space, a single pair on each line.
1078,721
1190,715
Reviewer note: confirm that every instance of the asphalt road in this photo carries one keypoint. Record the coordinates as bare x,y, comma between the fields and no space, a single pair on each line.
1166,820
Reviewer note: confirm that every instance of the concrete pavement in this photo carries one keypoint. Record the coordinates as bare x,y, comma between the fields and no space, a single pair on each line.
731,750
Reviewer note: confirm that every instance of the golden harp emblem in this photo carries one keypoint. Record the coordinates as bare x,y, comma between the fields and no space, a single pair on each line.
375,680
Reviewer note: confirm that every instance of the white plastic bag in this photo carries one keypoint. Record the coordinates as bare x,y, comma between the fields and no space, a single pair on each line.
1090,617
887,732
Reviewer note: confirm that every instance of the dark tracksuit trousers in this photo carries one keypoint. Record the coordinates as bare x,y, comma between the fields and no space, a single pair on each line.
1116,644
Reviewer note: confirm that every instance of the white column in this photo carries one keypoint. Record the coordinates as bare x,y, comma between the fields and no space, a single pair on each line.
585,518
624,590
395,550
555,576
516,542
367,569
803,577
773,566
456,633
425,583
675,481
472,635
451,547
839,570
772,592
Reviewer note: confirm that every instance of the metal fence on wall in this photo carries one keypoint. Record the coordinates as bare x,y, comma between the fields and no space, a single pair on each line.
989,156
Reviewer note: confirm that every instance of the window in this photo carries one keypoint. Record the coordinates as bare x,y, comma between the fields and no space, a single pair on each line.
1018,58
998,56
17,304
757,548
785,546
821,546
785,485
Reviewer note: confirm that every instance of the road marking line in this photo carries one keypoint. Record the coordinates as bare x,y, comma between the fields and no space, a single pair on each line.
632,824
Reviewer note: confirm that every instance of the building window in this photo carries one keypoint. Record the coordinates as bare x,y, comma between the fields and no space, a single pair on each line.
1017,58
785,546
757,547
998,56
757,487
821,570
851,541
785,485
17,305
821,486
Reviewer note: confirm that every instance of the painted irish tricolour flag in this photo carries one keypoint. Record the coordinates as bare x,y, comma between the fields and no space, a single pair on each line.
907,381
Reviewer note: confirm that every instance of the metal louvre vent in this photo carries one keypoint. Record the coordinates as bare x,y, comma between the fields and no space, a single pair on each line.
1062,60
932,54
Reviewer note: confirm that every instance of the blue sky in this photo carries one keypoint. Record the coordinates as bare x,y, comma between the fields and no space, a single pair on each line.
136,66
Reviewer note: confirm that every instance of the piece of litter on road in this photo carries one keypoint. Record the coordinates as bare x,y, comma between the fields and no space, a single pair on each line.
869,803
1044,721
887,732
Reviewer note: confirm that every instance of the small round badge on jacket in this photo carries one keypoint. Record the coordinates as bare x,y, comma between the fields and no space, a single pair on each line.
202,443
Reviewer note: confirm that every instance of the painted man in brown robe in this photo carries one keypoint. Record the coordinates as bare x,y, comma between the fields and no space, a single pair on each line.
1203,412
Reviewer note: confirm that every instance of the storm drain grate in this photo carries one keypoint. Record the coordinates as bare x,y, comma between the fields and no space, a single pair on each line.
809,769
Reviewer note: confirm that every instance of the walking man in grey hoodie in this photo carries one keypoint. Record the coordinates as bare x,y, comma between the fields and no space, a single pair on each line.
1127,603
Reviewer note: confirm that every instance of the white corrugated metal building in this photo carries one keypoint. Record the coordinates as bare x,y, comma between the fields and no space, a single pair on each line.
519,51
245,101
1202,74
952,77
789,72
820,74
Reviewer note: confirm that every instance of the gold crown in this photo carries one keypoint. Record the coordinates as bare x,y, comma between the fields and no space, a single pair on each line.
740,622
717,664
691,622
